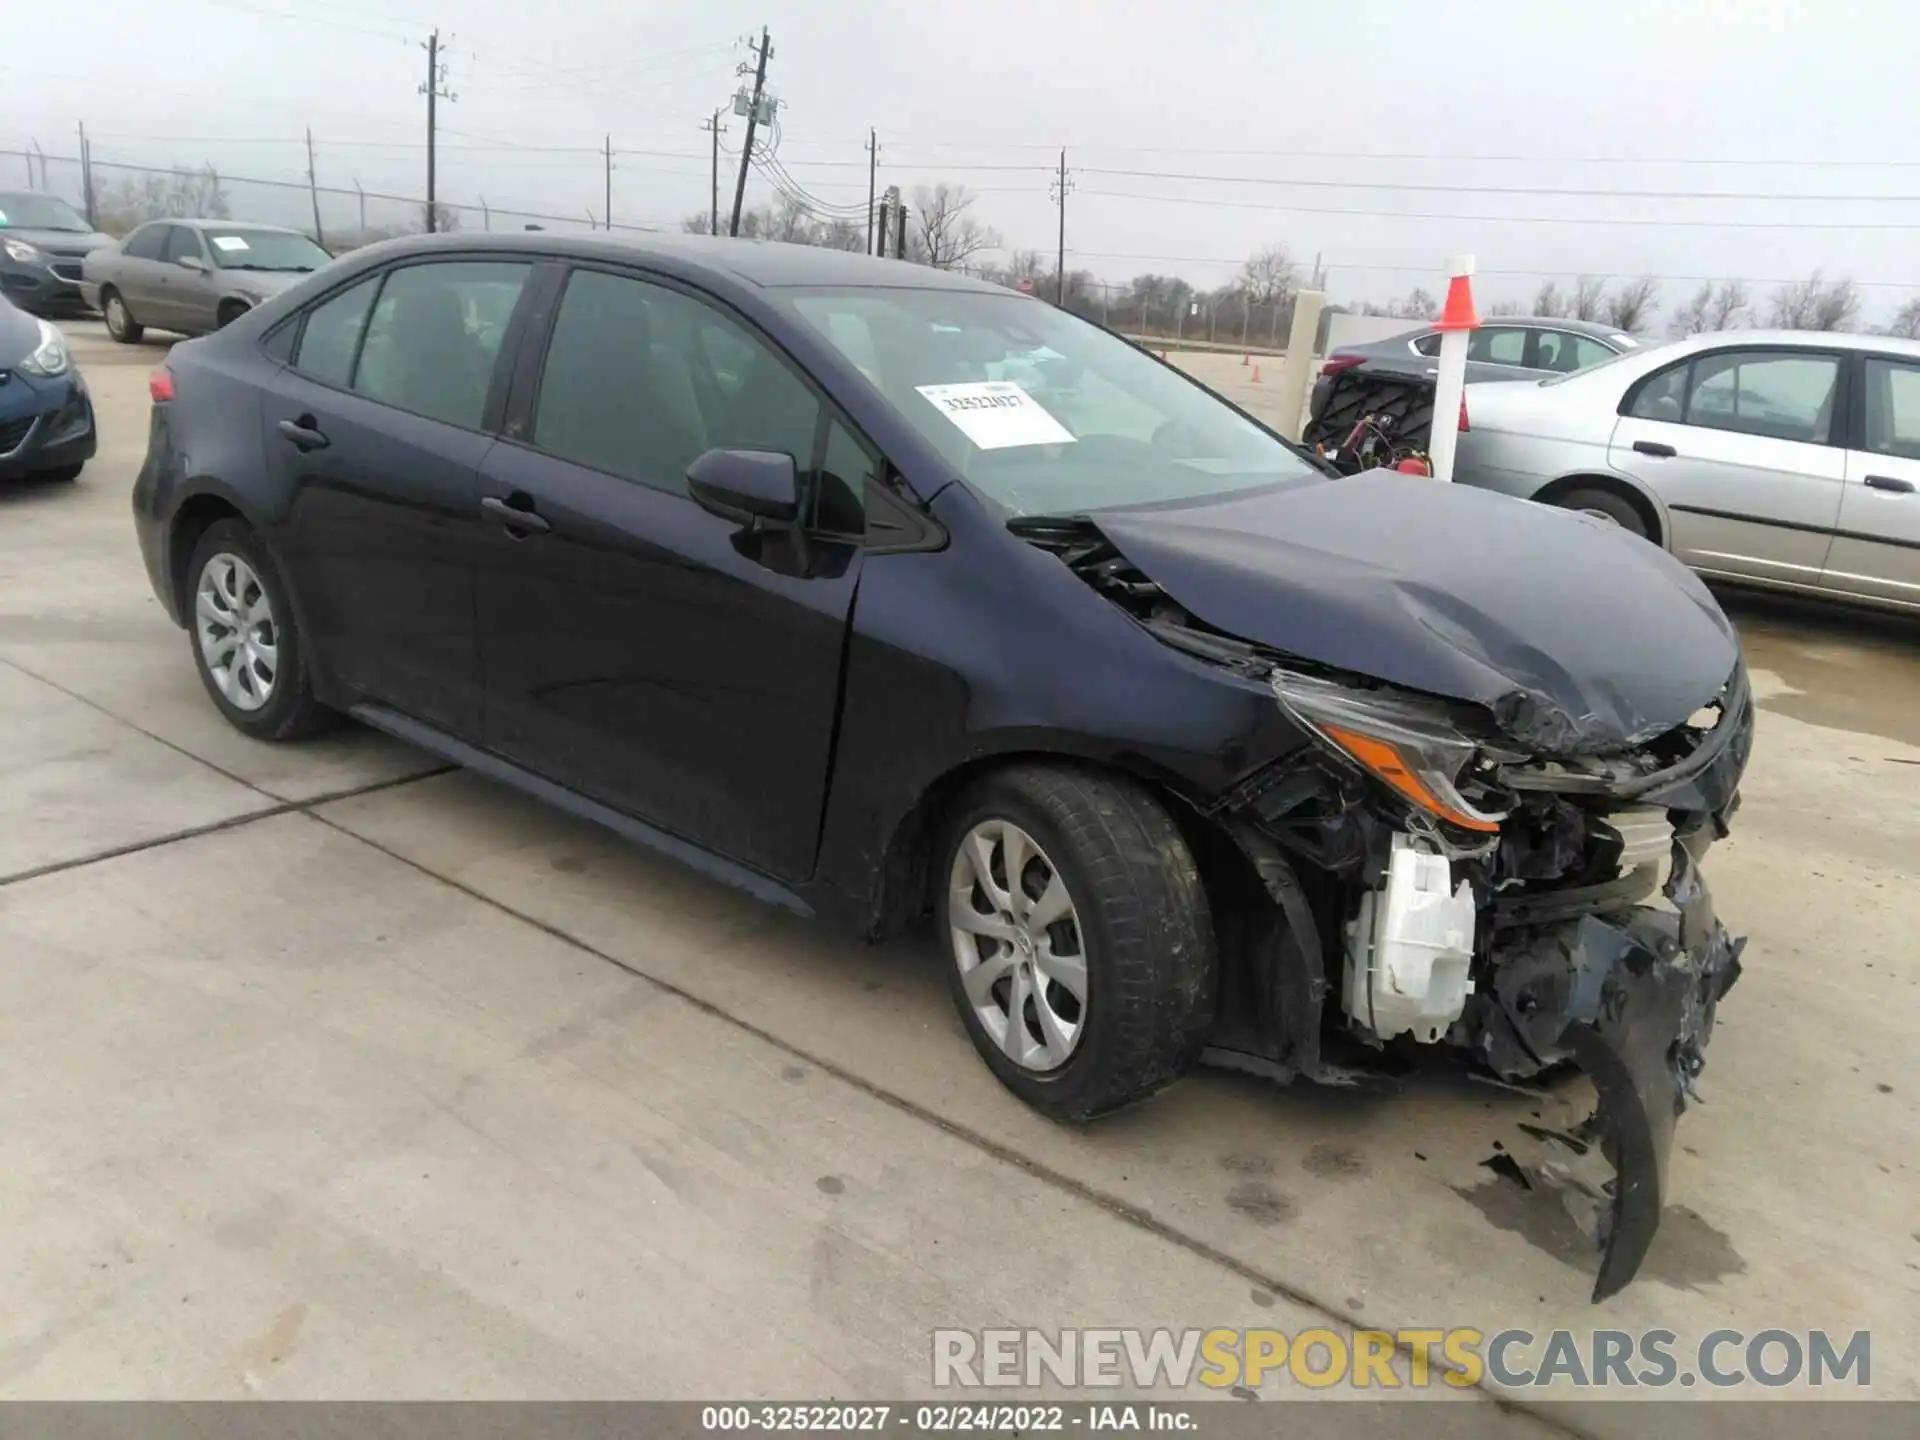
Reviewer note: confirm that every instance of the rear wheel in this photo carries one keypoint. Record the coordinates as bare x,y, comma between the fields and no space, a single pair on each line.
1605,505
1079,941
230,311
246,643
120,322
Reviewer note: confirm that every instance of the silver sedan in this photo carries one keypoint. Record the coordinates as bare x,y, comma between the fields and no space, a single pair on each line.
1779,458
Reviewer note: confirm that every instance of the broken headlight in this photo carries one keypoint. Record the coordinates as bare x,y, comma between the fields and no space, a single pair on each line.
1411,744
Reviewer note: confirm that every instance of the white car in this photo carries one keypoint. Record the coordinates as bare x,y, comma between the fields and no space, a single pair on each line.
1788,459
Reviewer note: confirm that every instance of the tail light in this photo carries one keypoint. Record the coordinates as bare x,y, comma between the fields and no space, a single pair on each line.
1463,412
160,385
1340,362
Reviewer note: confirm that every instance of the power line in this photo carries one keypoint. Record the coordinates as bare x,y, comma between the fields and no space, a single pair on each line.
295,15
1665,221
1452,189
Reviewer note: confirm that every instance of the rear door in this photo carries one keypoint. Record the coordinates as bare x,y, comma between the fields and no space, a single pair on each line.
1744,448
638,649
1876,549
379,425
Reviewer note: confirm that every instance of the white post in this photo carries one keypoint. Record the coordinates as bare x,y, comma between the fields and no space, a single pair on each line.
1296,373
1457,323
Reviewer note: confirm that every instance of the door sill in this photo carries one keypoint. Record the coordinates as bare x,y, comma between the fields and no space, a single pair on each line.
694,857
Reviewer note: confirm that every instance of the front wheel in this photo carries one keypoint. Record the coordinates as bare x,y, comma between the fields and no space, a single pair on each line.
1605,505
246,643
1080,944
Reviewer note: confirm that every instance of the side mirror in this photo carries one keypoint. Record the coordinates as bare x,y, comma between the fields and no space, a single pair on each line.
191,262
746,486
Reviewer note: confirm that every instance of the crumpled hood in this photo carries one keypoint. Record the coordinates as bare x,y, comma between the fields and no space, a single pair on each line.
1579,637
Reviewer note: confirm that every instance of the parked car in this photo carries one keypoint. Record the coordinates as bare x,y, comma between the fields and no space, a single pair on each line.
193,276
1186,746
46,415
1521,347
43,241
1785,459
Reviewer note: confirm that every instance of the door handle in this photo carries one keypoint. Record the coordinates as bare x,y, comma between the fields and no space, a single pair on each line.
303,433
1655,447
517,518
1889,482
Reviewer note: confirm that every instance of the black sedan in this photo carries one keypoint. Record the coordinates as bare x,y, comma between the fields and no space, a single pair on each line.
46,415
876,592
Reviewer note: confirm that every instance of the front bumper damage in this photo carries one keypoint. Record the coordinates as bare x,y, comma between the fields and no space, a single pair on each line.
1630,998
1618,975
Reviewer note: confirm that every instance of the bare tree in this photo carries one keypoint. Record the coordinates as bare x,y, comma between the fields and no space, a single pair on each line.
1906,320
1419,305
446,219
1504,307
1268,276
1589,298
184,194
943,232
1548,300
1814,304
791,221
840,235
1713,307
1630,308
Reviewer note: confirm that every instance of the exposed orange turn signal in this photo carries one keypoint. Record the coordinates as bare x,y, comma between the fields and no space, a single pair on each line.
1384,760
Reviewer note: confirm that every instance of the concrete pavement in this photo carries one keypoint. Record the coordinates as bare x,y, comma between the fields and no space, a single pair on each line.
344,1077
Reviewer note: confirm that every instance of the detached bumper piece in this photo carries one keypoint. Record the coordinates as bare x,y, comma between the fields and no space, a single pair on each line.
1630,998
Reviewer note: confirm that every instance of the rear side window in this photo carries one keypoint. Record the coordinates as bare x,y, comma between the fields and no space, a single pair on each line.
435,334
149,242
332,335
1428,344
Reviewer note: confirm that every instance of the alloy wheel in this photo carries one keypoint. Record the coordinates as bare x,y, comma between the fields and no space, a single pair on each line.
239,638
1019,944
116,316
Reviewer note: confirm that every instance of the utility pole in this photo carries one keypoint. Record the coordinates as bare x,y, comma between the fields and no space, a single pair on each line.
714,128
873,167
1061,185
436,77
486,215
764,52
86,175
363,208
609,182
313,190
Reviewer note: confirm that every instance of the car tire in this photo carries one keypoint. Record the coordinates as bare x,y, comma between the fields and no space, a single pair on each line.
1136,934
1605,505
238,611
229,312
121,325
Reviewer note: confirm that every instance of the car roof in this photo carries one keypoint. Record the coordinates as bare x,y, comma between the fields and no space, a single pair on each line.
235,226
766,263
1791,339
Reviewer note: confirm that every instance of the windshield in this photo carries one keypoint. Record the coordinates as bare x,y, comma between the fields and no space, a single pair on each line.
1044,413
264,250
39,212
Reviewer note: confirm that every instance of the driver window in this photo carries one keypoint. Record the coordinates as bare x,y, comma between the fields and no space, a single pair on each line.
182,243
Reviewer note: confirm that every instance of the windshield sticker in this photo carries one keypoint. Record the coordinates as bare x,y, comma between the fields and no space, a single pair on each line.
229,242
996,414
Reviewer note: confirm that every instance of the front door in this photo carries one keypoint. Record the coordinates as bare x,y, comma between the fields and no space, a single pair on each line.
185,291
1743,446
1876,551
380,423
638,649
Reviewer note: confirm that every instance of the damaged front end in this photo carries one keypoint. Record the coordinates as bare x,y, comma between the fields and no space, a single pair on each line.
1513,871
1533,910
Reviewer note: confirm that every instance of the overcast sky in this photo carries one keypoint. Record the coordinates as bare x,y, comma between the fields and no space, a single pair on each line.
1800,108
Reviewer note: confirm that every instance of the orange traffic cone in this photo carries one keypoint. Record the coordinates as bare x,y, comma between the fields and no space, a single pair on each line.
1243,360
1256,374
1458,313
